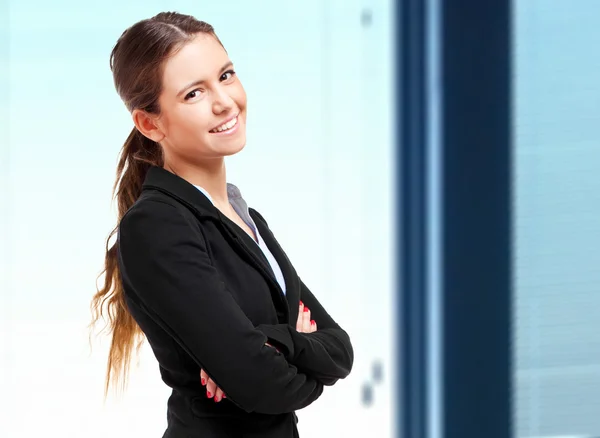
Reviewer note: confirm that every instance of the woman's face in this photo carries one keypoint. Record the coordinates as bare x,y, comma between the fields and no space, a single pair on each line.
203,104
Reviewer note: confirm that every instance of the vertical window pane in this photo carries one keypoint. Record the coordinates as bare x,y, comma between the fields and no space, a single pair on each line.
557,218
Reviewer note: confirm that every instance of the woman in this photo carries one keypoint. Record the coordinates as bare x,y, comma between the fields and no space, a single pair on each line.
193,269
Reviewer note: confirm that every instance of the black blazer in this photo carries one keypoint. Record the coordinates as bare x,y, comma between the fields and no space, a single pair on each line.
205,297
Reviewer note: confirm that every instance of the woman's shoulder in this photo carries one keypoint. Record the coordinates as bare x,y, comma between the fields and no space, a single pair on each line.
152,201
154,207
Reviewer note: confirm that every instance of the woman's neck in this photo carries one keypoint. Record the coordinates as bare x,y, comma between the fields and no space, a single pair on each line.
210,175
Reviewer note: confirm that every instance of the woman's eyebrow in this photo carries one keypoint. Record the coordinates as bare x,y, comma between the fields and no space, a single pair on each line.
201,81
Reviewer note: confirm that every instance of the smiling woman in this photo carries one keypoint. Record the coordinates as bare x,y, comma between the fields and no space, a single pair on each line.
239,338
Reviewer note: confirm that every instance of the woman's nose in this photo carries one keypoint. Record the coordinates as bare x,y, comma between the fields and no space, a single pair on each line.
222,101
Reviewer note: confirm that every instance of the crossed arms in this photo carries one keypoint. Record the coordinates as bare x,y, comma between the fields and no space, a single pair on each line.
166,263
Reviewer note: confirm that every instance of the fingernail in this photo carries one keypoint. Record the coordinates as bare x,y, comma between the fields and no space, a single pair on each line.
306,309
224,396
203,382
216,399
301,303
312,321
209,394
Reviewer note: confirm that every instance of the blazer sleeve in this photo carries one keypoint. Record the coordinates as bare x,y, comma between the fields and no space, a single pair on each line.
166,262
325,354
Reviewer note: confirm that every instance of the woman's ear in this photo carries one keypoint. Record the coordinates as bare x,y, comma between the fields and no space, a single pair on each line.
148,125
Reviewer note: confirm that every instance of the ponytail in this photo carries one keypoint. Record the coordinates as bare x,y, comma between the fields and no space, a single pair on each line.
138,154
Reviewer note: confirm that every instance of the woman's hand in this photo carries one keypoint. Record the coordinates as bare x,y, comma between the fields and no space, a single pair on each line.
303,324
212,390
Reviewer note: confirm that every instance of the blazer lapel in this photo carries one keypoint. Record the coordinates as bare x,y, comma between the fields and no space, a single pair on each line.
290,276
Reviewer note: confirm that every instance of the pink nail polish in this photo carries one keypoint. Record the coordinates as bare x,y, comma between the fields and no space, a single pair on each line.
306,309
209,394
301,303
312,321
203,382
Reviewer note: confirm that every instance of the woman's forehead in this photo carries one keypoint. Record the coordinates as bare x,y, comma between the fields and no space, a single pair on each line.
201,59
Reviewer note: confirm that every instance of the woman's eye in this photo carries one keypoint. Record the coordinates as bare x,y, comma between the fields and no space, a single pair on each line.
227,75
192,94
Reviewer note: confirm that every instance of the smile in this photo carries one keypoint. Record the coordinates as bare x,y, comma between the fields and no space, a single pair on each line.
227,126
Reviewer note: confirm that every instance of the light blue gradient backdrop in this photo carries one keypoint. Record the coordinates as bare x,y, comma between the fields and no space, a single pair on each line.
318,165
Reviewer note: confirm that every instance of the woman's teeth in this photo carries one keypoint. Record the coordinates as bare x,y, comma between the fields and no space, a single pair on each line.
225,126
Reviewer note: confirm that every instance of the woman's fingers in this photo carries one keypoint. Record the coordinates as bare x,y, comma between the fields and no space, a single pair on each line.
304,324
219,395
212,390
300,320
211,386
306,320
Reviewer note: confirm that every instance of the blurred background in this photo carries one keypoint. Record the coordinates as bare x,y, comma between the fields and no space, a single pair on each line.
360,111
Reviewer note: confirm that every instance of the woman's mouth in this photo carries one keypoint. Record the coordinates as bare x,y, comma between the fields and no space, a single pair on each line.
226,127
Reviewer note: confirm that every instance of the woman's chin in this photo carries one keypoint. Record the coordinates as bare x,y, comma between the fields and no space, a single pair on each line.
232,148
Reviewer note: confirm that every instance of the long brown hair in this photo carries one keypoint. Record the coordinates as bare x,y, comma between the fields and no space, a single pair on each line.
136,62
